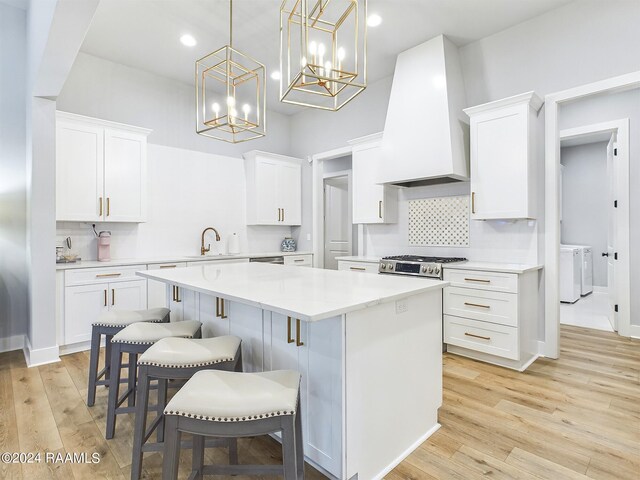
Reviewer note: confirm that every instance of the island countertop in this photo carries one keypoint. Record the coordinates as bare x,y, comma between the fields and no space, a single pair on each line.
309,294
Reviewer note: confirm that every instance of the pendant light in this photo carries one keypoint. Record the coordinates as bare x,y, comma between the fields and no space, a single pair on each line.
323,52
230,94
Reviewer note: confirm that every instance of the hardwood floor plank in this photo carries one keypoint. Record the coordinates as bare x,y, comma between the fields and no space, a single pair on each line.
541,467
488,466
8,428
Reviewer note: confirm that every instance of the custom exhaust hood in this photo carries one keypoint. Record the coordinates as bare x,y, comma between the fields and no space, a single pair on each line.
426,137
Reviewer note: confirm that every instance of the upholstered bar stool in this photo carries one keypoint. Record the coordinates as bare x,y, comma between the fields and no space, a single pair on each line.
134,340
108,325
177,359
232,405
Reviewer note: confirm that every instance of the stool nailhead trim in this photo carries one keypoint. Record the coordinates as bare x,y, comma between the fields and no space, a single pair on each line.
146,342
187,365
230,419
107,324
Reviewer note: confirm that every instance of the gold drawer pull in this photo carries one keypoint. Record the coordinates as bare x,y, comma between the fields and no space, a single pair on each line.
477,280
289,339
361,269
476,336
477,305
105,297
108,206
283,214
220,308
380,209
100,199
113,296
168,266
107,275
299,260
298,342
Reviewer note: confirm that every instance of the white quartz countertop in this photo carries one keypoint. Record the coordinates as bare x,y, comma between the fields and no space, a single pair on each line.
309,294
176,259
493,267
357,258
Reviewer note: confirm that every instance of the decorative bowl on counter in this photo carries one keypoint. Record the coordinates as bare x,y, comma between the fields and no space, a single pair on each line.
288,245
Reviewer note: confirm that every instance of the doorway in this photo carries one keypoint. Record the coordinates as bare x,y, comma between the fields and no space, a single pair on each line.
338,230
589,225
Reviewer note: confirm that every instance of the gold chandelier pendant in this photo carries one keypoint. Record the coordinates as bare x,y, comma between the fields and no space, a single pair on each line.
323,52
230,94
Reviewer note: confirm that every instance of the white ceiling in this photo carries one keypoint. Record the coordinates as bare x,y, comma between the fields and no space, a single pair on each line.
145,33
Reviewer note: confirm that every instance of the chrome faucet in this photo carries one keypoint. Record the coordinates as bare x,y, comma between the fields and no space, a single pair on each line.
204,249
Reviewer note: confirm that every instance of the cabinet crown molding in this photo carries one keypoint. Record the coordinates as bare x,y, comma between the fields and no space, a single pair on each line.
529,97
253,154
374,137
60,115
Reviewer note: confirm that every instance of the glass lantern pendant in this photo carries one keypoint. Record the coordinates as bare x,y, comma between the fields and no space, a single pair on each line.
323,52
230,94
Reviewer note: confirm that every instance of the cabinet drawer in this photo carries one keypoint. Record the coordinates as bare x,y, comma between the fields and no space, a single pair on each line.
298,260
88,276
358,266
485,305
490,338
500,282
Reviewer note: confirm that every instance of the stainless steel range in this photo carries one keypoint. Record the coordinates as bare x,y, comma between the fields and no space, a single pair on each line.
416,265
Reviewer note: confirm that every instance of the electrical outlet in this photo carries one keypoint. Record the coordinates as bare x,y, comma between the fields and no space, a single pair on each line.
401,306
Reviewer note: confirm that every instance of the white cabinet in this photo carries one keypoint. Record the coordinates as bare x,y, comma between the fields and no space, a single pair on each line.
213,316
492,316
358,266
372,203
274,189
503,158
92,291
246,322
157,291
100,170
299,260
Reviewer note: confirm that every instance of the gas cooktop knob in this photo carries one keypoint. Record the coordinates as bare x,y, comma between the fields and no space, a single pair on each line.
424,269
390,266
383,266
436,270
430,269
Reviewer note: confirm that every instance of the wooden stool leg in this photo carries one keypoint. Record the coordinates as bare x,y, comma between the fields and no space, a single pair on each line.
289,448
140,423
114,389
171,452
162,402
93,365
198,457
133,373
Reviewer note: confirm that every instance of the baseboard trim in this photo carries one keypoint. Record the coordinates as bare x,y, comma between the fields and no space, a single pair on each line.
600,289
542,346
634,331
39,356
9,344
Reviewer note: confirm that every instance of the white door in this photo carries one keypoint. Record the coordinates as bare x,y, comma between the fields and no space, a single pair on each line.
368,197
611,234
337,224
79,172
267,192
289,193
124,176
128,295
83,305
246,323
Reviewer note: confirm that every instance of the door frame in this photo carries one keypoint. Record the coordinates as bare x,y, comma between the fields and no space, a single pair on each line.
328,176
620,128
552,211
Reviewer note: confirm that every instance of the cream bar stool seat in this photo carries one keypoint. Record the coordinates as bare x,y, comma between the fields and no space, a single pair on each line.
228,404
177,359
134,340
108,325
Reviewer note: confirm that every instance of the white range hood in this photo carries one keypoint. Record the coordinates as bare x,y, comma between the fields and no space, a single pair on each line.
426,137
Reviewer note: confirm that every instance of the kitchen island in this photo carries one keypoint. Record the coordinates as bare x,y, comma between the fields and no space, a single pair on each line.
368,348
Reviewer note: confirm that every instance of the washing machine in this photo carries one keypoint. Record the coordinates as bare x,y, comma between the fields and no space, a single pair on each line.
586,262
570,274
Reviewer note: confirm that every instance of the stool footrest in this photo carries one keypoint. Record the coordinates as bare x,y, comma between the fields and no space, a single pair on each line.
209,443
243,470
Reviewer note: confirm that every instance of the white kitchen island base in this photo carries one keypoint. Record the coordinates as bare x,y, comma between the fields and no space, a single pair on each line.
369,351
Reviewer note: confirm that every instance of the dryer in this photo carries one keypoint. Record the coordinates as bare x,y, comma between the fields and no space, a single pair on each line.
586,266
570,274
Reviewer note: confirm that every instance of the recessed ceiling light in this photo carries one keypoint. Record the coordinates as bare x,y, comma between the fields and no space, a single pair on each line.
188,41
374,20
275,75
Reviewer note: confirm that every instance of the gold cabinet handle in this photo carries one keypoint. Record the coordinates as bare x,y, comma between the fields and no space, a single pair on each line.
476,305
222,312
108,206
283,214
480,280
107,275
173,293
113,296
217,307
178,299
298,342
473,202
476,336
100,201
361,269
299,260
279,215
167,266
289,339
105,297
380,209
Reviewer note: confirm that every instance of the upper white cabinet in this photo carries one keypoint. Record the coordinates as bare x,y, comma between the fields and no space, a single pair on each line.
503,158
101,170
372,203
274,189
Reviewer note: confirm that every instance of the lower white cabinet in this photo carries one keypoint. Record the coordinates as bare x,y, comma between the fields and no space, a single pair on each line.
95,291
182,303
299,260
357,266
157,291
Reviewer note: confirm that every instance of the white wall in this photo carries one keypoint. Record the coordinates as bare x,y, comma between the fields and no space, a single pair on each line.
602,108
13,179
585,215
187,191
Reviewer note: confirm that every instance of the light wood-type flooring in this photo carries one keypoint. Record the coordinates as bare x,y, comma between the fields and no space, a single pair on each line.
573,418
